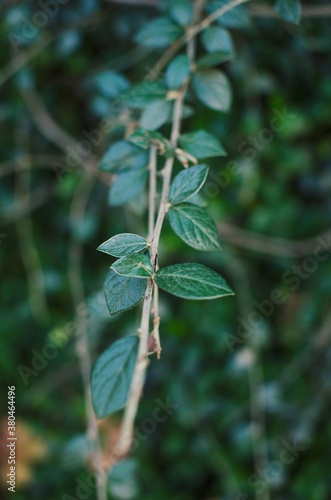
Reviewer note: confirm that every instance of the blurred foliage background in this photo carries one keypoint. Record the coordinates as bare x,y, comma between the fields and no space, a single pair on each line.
246,387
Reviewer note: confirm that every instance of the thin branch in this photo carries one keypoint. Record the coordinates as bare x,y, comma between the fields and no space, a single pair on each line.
23,58
306,11
77,214
268,245
29,253
152,192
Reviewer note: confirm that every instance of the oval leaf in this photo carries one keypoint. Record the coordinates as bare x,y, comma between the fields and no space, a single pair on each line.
194,226
126,186
181,11
213,89
134,266
217,39
192,281
123,293
201,144
123,244
111,376
158,33
110,83
177,71
122,155
289,10
187,183
155,114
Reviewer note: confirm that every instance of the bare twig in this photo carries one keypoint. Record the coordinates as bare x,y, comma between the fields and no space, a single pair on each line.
77,214
152,192
268,245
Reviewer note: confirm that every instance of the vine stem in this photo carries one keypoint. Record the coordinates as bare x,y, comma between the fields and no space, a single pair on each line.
152,192
125,440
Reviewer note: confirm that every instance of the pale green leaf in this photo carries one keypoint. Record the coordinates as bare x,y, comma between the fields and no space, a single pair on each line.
134,266
192,281
201,144
122,155
110,83
217,39
143,93
213,89
194,226
159,32
177,71
155,114
237,17
123,293
289,10
123,244
127,185
181,12
111,376
187,183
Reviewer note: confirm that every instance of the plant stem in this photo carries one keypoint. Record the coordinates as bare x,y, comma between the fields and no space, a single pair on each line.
125,439
152,192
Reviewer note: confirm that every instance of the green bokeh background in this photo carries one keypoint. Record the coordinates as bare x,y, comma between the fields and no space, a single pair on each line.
238,398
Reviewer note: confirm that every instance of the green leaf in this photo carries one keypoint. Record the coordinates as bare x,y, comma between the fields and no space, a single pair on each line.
127,185
181,12
134,266
218,42
289,10
144,93
155,114
214,59
122,480
111,376
201,144
216,39
213,89
110,83
192,281
187,183
159,32
177,71
123,244
146,139
237,17
194,226
122,155
123,293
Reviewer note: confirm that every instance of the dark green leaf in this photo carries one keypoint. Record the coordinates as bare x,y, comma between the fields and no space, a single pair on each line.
187,183
122,155
123,293
213,89
146,139
237,17
289,10
194,226
181,12
201,144
111,376
192,281
158,33
134,266
155,114
143,94
123,244
214,59
177,71
217,39
110,83
126,186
